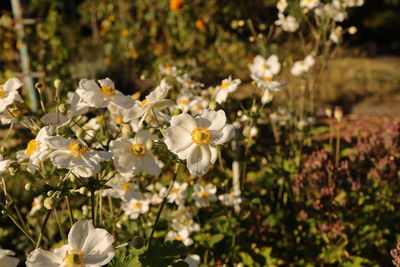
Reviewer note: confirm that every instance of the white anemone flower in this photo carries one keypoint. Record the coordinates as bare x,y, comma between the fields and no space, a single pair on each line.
265,68
122,188
302,66
182,235
193,260
87,246
266,96
196,139
153,103
188,83
9,93
288,23
354,3
6,260
183,218
168,70
36,205
37,150
310,4
197,105
135,207
75,155
102,96
177,194
227,86
203,195
281,5
336,35
131,156
230,199
332,10
183,100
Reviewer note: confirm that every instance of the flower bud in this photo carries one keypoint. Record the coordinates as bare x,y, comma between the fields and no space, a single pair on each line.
49,203
150,144
328,112
63,108
50,193
80,133
83,191
176,111
12,170
72,178
58,84
338,113
126,129
138,242
28,186
240,113
352,30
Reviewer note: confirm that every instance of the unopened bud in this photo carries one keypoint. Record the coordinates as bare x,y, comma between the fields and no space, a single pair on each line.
12,170
352,30
150,144
49,203
58,84
338,113
176,111
63,108
126,129
80,133
28,186
240,113
83,191
50,193
138,242
72,178
328,112
212,105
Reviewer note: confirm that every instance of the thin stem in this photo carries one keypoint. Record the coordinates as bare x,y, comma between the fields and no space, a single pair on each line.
164,201
93,207
60,228
71,216
42,228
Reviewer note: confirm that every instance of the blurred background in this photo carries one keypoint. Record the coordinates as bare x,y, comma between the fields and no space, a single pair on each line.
128,40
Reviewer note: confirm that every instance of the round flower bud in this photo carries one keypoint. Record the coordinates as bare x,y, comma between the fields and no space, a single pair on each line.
83,191
240,113
49,203
126,129
39,85
50,193
12,170
352,30
176,111
212,105
80,133
150,144
58,84
72,178
28,186
63,108
138,242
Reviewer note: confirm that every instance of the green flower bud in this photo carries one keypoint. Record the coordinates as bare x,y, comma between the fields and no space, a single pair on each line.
58,84
176,111
138,242
83,191
28,187
49,203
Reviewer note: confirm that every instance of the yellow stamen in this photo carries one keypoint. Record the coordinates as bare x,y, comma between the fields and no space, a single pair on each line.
265,66
108,90
200,136
204,194
118,119
168,68
178,237
267,79
175,191
137,205
225,85
74,258
183,102
198,107
126,187
143,102
2,92
76,149
32,147
138,150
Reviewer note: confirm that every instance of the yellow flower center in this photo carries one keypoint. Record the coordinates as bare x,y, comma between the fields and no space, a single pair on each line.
224,85
204,194
108,90
189,81
2,92
200,136
137,205
267,79
198,107
138,150
126,187
34,204
179,238
143,102
74,258
32,147
168,68
309,1
76,149
265,66
183,102
175,191
118,119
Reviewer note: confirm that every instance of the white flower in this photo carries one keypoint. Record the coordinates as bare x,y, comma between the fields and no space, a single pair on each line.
288,24
9,93
177,194
299,67
203,195
182,235
183,100
193,260
4,164
197,105
188,83
196,139
265,68
227,86
336,35
310,4
135,207
73,154
131,156
332,10
153,103
6,260
122,188
182,218
354,3
266,97
36,205
281,5
230,199
37,150
87,246
250,131
168,70
102,96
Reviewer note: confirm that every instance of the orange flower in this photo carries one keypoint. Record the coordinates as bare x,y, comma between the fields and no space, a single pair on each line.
176,5
200,25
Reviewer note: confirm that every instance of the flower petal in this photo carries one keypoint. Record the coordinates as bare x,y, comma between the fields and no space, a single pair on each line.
78,234
40,257
184,120
198,160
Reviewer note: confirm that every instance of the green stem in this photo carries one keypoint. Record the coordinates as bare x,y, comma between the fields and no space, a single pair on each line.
42,228
71,216
60,228
93,207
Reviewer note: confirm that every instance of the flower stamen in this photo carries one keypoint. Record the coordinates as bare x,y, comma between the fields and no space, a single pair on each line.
138,150
200,136
32,147
74,258
108,90
77,149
